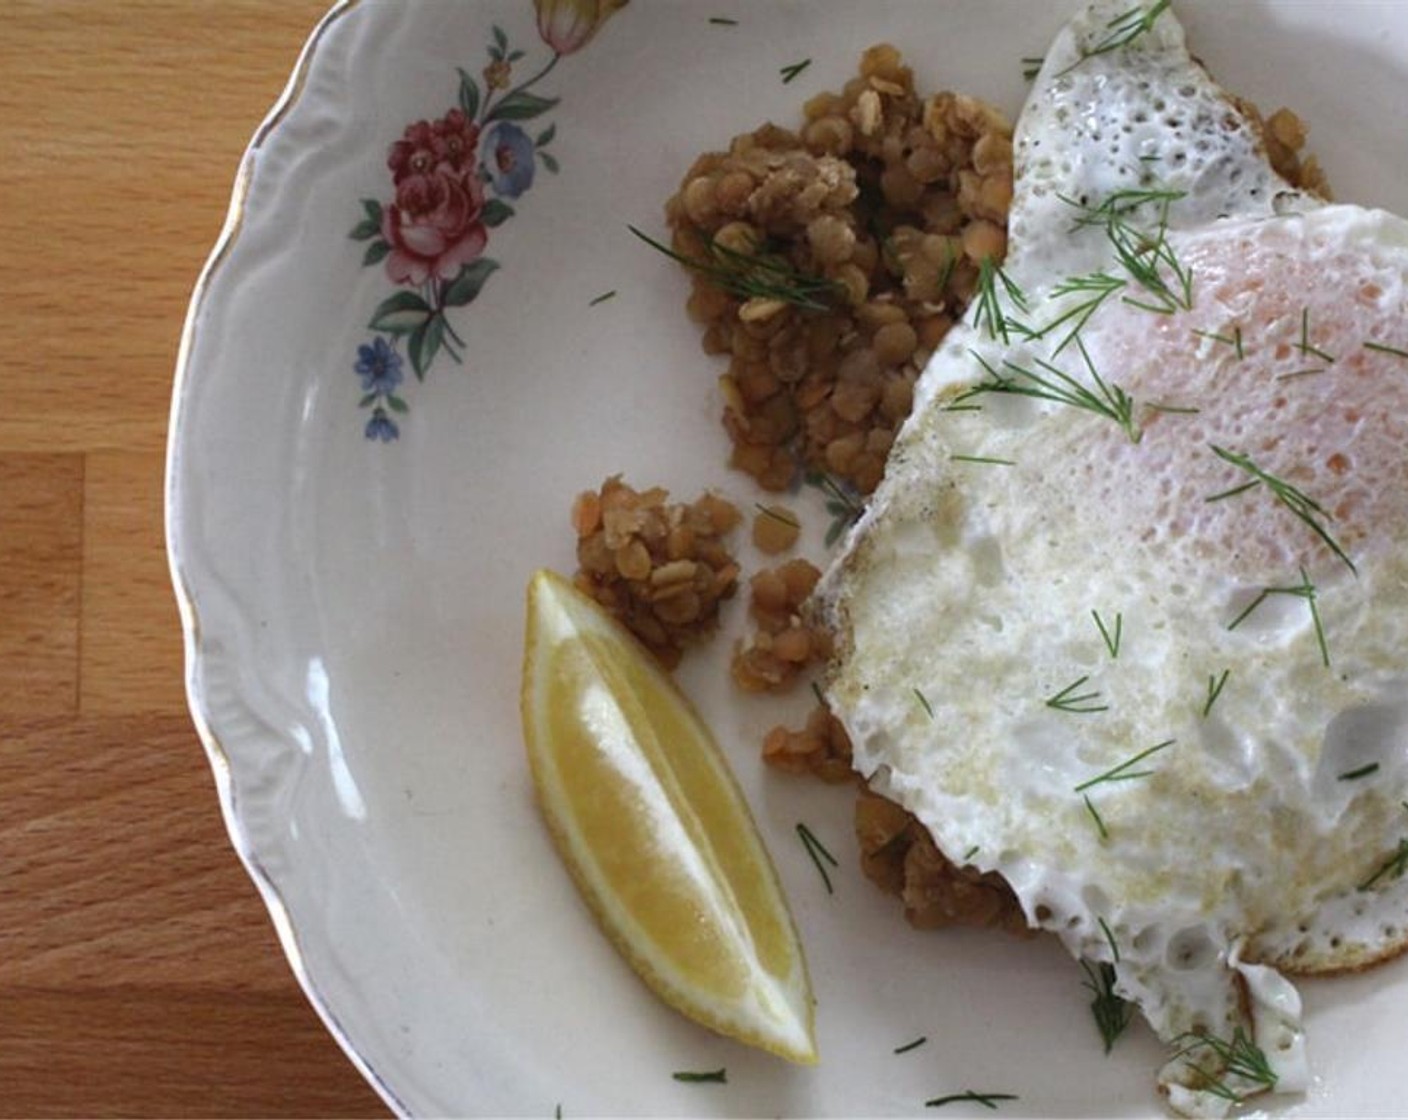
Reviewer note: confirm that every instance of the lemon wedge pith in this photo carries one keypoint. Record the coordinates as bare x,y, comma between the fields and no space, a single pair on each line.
654,829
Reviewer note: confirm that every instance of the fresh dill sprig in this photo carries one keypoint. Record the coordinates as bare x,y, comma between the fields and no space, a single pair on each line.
603,297
790,72
987,1100
716,1076
1110,939
842,504
777,515
1380,348
1031,67
1123,30
1123,772
924,703
754,275
1069,700
1096,817
990,314
1304,344
1241,1057
817,850
1056,385
1234,340
1094,288
1361,772
915,1045
991,461
1299,503
1111,640
1393,867
1215,686
1144,254
1304,590
1111,1010
1174,409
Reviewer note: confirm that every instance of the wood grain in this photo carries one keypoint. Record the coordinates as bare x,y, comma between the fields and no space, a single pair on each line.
139,973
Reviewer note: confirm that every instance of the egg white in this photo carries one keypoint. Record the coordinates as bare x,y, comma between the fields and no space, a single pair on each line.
1261,640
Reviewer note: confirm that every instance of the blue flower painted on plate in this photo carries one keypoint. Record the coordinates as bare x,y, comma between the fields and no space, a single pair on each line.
508,159
450,179
382,427
379,366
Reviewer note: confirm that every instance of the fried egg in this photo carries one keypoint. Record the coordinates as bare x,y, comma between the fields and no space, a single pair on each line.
1127,620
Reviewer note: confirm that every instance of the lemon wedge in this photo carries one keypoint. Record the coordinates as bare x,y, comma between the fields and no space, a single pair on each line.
653,827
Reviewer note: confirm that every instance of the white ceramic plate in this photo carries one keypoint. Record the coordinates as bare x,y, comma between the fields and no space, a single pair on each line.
354,605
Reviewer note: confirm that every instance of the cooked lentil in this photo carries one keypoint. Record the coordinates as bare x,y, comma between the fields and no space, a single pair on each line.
661,568
893,198
785,643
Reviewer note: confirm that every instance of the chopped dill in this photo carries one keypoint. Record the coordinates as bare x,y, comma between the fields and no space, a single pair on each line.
1123,772
1215,686
987,1100
1241,1057
1054,384
970,853
1144,254
1111,1010
1110,937
990,314
817,850
1031,67
779,515
1178,410
1304,345
1111,640
842,504
1096,817
1234,340
924,703
716,1076
754,275
1299,503
723,21
603,297
1393,867
1380,348
1304,590
1069,700
1361,772
1294,374
915,1045
816,691
983,459
1123,30
1094,288
790,72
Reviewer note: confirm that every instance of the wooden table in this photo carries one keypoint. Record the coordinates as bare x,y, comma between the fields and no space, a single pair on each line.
139,974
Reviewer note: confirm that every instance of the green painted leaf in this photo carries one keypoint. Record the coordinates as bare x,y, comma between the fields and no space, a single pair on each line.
466,286
376,252
514,56
550,162
400,314
397,405
545,137
469,94
500,39
496,212
424,345
521,106
366,400
369,226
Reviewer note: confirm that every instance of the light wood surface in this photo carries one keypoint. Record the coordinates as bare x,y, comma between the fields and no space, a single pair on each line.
139,974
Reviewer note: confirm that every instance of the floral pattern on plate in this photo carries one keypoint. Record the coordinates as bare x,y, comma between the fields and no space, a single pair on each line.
454,179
